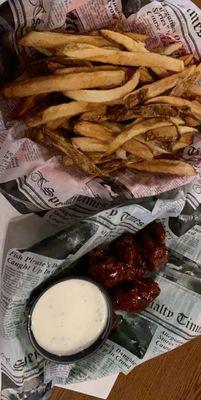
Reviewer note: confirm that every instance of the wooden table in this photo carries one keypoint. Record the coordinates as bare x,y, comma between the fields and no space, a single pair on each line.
172,376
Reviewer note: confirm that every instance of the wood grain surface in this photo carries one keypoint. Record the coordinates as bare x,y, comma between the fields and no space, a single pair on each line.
172,376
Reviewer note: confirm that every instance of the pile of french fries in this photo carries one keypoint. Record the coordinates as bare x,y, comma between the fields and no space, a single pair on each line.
117,105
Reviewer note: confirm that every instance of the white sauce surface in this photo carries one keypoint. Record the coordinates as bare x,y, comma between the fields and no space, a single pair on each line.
69,317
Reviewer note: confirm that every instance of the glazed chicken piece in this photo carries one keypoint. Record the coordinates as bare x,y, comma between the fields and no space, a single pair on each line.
136,297
154,255
153,248
127,266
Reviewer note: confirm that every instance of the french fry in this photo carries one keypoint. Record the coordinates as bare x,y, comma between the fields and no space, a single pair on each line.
123,40
194,107
187,59
191,121
171,48
139,149
94,130
174,167
134,130
121,153
195,90
28,104
145,76
95,116
156,88
141,37
114,126
64,146
51,40
89,144
93,68
184,141
52,113
160,72
54,125
73,81
169,133
117,57
100,96
186,129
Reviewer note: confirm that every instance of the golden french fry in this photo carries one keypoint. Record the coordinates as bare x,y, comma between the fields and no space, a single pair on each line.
139,149
184,86
100,96
183,142
169,133
94,130
158,147
89,144
195,90
28,104
156,88
191,121
114,126
148,111
194,107
93,68
52,113
53,125
141,37
171,48
121,153
50,40
160,72
186,129
44,51
187,59
117,57
134,130
73,81
123,40
175,167
99,114
58,142
145,76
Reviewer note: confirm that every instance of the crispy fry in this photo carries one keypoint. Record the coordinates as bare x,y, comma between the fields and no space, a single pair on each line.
139,149
160,72
169,133
50,40
97,115
145,76
156,88
53,125
148,111
27,104
94,130
66,110
88,144
184,141
135,130
117,57
186,129
183,86
123,40
187,59
63,145
141,37
121,153
174,167
191,121
195,90
114,126
100,96
168,50
93,68
158,147
194,107
73,81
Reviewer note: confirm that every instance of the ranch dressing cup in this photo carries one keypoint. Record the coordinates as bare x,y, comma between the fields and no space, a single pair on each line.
70,320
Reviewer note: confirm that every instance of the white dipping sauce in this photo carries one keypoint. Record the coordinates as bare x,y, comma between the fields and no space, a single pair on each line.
69,317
